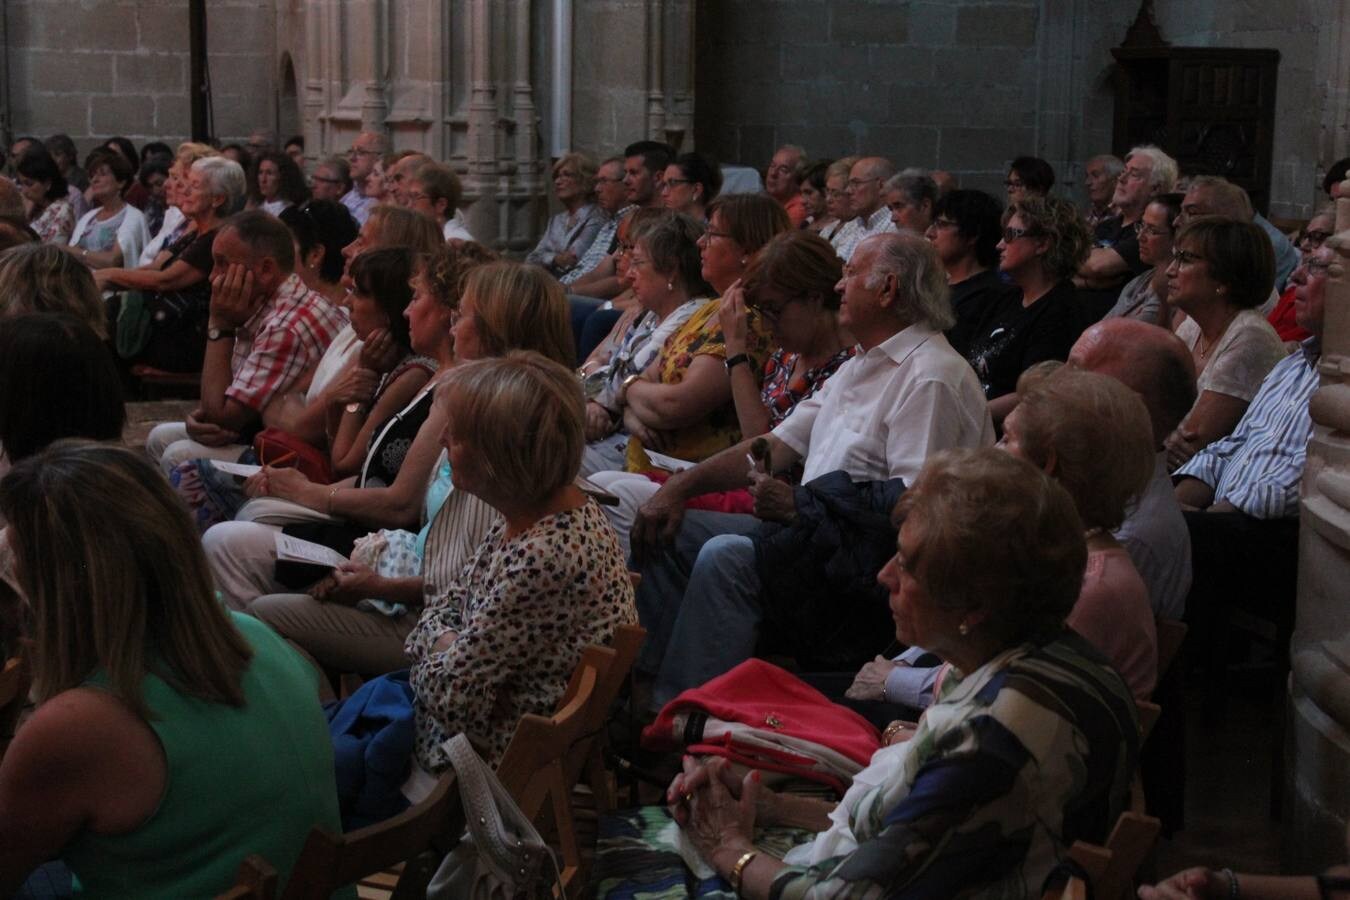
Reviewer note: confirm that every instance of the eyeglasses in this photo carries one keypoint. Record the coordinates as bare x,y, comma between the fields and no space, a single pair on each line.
1151,230
945,223
835,194
600,179
1186,257
710,234
670,182
772,315
625,249
859,182
565,175
1316,238
1011,183
1012,234
780,170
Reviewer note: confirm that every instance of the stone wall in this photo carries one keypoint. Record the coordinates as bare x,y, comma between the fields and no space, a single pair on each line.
95,69
965,85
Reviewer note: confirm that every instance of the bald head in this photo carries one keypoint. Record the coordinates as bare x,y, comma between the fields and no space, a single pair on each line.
1151,361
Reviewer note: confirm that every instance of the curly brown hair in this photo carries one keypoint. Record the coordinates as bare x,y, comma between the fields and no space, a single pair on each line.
446,269
1061,222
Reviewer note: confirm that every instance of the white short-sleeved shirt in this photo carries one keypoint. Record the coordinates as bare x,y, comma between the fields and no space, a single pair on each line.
887,410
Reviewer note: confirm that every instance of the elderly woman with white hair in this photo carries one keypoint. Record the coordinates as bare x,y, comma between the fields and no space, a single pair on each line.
570,232
178,283
1028,748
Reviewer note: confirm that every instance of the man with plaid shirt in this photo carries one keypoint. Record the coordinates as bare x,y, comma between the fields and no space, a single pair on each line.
265,333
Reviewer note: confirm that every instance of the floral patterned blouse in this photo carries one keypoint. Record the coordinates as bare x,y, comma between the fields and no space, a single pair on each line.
702,335
56,223
781,392
523,609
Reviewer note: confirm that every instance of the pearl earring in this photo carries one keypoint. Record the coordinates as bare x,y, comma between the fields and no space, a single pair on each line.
964,629
670,286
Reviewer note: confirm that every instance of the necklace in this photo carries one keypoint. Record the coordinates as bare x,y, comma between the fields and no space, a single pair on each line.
1209,345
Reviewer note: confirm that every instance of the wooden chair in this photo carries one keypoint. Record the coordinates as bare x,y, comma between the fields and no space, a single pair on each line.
587,756
1112,868
1075,889
256,881
534,768
1171,635
15,679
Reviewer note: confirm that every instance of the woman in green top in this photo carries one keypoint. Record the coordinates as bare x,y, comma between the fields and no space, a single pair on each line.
171,739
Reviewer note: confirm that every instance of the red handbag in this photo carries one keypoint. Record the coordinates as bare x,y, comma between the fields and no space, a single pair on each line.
275,447
767,718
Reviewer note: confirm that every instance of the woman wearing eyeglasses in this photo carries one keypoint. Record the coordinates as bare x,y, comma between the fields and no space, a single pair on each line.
837,205
1221,271
965,232
1144,297
689,185
1044,242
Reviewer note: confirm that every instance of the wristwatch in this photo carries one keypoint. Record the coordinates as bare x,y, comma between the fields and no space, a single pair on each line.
216,334
734,361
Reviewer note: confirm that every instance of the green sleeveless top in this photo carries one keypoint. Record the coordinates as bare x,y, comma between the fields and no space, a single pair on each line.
240,781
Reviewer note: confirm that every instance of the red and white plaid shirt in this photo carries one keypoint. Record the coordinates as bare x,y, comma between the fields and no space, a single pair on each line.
282,341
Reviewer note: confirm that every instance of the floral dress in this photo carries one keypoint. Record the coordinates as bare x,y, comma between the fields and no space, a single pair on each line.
701,335
56,223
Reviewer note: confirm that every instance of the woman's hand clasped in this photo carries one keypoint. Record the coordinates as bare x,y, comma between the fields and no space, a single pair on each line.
717,810
287,484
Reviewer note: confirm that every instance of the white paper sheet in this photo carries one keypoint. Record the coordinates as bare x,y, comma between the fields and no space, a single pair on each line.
293,549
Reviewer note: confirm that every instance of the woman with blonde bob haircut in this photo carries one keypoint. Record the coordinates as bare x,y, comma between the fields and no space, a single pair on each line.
501,639
511,305
44,278
1028,747
1094,436
160,716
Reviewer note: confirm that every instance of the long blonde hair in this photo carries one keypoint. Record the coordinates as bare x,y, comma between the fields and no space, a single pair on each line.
114,573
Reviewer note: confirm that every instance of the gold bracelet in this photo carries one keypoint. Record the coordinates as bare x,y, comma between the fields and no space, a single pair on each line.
739,869
331,494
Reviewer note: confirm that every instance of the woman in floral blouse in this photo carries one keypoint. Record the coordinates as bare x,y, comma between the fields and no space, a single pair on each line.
549,578
44,196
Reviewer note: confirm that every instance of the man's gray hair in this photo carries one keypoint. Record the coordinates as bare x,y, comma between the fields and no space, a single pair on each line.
921,281
223,176
1111,164
1225,198
916,184
1163,176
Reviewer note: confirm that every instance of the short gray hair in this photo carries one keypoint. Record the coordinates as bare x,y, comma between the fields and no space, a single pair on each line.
223,176
921,281
1113,165
1226,199
916,184
1163,176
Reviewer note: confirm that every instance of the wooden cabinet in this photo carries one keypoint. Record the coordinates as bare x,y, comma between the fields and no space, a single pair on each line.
1212,108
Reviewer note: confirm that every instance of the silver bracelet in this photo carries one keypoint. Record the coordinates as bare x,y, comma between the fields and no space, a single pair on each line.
1234,893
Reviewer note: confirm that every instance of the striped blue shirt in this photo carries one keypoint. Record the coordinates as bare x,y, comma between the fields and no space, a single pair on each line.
599,248
1258,467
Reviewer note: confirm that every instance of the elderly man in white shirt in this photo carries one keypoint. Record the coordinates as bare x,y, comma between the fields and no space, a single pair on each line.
366,150
906,395
867,199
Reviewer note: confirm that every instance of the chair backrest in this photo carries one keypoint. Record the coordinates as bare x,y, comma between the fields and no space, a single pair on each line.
1148,717
534,767
14,683
1112,868
626,643
1171,634
256,880
1074,889
329,861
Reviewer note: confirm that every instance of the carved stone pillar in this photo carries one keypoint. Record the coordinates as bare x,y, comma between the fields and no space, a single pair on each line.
1318,744
656,94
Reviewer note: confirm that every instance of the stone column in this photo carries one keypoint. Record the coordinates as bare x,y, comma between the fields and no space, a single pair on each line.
656,95
1318,733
